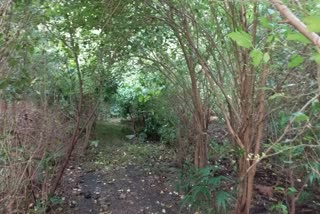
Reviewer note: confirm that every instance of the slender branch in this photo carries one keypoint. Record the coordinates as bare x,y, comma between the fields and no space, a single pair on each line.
74,140
293,20
286,130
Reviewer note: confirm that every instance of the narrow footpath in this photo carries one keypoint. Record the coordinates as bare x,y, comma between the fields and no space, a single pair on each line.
120,176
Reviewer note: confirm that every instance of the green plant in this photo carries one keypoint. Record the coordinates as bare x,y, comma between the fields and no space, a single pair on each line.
204,190
168,134
279,208
41,207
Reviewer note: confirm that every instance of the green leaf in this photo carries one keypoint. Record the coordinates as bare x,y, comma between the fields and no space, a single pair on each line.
242,38
270,38
316,57
292,190
279,208
222,200
295,61
313,23
315,107
215,181
279,189
265,22
256,56
298,151
185,200
300,117
56,200
141,99
3,84
266,57
276,95
298,37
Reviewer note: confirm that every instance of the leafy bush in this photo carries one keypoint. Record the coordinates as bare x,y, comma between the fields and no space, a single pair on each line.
204,190
168,133
140,96
279,208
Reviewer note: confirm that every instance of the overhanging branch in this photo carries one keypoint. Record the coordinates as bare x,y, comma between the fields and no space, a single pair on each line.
293,20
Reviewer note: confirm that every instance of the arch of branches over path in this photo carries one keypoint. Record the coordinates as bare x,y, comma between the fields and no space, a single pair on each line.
236,59
244,113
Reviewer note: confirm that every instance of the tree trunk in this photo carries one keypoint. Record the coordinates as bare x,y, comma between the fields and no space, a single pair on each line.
201,150
245,186
88,131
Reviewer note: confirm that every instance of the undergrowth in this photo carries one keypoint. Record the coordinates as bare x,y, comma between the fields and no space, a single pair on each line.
204,189
112,149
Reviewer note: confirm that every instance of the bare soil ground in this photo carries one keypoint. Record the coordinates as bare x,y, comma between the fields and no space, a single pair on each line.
120,177
124,190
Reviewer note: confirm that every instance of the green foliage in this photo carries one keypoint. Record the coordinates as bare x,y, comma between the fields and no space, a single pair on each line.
168,133
121,47
204,189
295,61
305,197
115,150
139,98
41,207
279,208
242,38
313,23
314,169
225,150
298,37
316,57
299,117
266,57
256,56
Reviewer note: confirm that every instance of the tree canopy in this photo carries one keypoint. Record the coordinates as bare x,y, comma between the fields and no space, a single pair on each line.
175,69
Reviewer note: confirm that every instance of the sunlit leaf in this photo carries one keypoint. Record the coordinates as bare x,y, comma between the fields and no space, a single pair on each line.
265,22
298,37
300,117
266,57
242,38
295,61
270,38
313,23
256,56
141,99
316,57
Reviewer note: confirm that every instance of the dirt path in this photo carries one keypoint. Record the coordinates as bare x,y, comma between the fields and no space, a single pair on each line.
128,189
119,177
